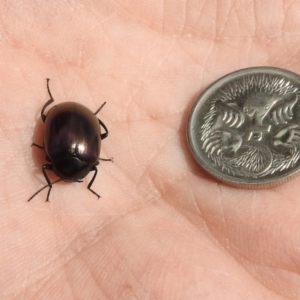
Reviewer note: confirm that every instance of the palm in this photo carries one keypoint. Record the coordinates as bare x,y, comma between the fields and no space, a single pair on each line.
163,228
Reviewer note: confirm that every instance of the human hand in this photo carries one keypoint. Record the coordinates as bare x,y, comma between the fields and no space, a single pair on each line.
163,228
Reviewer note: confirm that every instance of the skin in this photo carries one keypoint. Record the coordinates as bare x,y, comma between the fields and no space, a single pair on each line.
163,228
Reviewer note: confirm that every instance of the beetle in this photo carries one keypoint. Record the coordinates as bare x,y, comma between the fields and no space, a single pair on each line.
72,142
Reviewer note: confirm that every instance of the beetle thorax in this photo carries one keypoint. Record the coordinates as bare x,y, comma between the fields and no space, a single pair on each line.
71,169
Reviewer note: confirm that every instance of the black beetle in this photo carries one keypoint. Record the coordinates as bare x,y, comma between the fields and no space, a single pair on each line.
72,141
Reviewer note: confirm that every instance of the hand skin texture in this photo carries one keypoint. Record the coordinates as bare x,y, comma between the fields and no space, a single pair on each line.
163,228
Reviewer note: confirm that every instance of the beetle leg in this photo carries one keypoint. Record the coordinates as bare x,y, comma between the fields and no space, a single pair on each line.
99,108
105,134
45,167
36,145
43,116
92,180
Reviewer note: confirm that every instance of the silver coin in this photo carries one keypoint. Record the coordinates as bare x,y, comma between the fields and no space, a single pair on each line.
244,129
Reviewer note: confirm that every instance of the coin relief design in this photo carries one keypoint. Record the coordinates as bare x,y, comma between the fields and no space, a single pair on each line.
245,128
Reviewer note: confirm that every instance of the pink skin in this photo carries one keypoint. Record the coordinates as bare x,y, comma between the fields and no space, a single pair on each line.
163,228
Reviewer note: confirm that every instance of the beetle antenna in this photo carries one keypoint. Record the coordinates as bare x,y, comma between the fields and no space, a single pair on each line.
106,159
48,185
99,108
